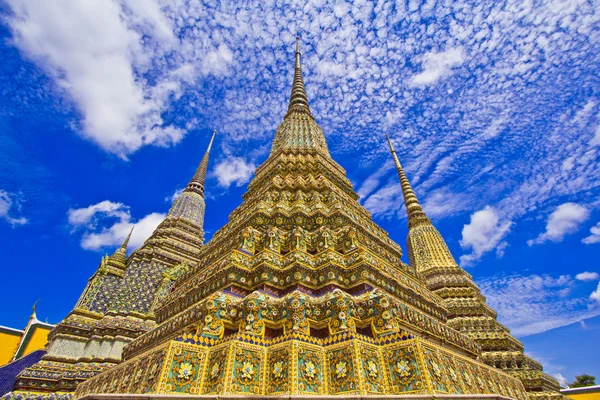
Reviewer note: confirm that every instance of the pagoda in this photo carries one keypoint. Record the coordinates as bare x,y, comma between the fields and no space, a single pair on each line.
302,294
118,301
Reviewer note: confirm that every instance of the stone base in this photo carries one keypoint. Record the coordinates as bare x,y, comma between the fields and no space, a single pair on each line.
295,364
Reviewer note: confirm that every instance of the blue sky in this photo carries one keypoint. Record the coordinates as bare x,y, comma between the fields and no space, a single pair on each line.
106,108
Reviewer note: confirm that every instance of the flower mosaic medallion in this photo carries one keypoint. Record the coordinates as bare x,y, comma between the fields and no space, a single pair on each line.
277,369
340,369
372,369
310,370
247,370
185,370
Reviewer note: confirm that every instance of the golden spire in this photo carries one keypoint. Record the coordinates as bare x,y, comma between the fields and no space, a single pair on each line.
416,215
299,131
197,182
298,99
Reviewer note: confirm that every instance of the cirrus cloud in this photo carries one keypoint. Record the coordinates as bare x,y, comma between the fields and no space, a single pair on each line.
10,204
544,301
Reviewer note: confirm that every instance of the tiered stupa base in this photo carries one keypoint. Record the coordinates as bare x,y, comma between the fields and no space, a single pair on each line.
296,364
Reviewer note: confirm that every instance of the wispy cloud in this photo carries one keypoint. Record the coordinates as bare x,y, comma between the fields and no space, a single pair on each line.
174,196
107,224
387,201
545,302
565,220
561,379
10,208
595,141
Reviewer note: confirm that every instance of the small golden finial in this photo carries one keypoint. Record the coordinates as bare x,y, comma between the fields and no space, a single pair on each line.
126,242
297,44
34,308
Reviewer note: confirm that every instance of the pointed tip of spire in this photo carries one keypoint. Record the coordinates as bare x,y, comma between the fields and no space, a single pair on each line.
34,308
197,182
126,242
390,143
119,257
212,138
416,215
298,99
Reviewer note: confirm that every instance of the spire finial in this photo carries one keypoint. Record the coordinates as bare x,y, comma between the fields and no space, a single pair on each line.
126,242
119,257
197,182
298,99
34,308
416,215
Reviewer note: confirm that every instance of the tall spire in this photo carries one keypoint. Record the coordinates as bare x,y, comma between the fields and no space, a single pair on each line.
298,99
299,131
197,182
416,215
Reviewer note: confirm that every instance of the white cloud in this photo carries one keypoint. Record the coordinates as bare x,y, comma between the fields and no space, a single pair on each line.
217,61
98,52
437,66
233,170
530,304
561,379
174,196
444,202
595,235
587,276
88,216
596,139
9,204
596,294
469,137
107,224
373,181
385,202
482,234
565,220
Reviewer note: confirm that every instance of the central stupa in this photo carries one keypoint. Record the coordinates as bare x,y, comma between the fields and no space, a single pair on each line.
301,293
